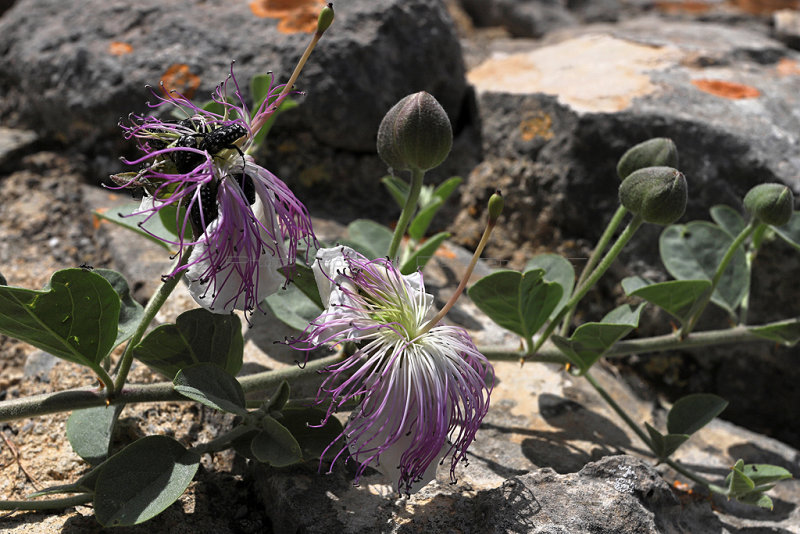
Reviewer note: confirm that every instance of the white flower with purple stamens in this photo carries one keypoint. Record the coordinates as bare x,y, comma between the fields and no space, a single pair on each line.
242,222
422,390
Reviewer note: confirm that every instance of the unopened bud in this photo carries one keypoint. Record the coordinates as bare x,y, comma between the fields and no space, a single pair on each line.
657,194
495,206
770,203
656,152
325,19
415,134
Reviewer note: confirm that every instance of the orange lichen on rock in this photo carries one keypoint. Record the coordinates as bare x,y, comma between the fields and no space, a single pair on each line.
536,125
726,89
765,7
293,15
118,48
683,6
179,78
787,67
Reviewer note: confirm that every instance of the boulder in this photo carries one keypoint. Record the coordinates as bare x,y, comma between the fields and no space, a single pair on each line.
72,82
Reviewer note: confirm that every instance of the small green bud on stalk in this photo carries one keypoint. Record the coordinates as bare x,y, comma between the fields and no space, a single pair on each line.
495,207
657,194
415,134
656,152
325,19
770,203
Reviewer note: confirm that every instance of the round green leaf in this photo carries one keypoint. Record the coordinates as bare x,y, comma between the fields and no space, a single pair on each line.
130,312
198,336
275,445
142,480
692,412
210,385
695,250
556,269
74,317
518,302
304,424
293,307
89,431
676,297
790,231
728,219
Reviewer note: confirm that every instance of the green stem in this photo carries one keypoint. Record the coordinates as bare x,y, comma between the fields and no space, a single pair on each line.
548,353
618,409
408,211
602,243
149,314
591,280
50,504
105,378
89,397
700,305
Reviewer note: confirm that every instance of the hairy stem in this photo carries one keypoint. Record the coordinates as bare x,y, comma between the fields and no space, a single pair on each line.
50,504
408,211
149,314
591,280
700,305
89,397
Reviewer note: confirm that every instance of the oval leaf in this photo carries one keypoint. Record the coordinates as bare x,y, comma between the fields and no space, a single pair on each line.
420,257
74,317
142,480
370,238
158,229
130,312
786,332
518,302
791,230
556,269
293,307
89,431
275,445
693,412
694,251
198,336
728,219
591,340
210,385
676,297
306,426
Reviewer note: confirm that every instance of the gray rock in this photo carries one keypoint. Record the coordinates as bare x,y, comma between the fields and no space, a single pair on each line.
786,24
556,118
535,18
14,142
74,81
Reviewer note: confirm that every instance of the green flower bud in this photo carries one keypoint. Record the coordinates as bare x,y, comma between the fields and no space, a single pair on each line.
657,194
656,152
325,19
415,134
770,203
495,206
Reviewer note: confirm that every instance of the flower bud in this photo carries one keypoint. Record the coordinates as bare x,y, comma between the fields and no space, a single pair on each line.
325,19
415,134
656,152
770,203
495,206
657,194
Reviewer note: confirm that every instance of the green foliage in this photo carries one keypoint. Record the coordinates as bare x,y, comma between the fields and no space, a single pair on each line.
210,385
198,336
369,238
556,269
591,341
75,316
423,253
786,332
676,297
293,307
695,250
90,430
747,483
728,219
790,231
158,229
275,445
691,413
520,302
142,480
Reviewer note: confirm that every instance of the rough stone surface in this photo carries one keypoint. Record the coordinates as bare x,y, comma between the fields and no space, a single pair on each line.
74,81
